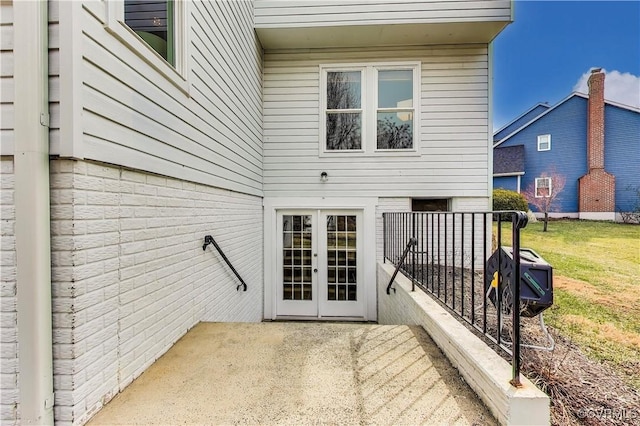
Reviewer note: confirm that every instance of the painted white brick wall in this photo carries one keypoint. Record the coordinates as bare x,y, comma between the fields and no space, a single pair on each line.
8,311
130,276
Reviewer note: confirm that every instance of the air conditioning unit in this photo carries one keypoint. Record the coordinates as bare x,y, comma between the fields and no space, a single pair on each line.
535,280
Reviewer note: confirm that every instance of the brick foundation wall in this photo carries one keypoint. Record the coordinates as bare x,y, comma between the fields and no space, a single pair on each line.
8,299
130,277
597,192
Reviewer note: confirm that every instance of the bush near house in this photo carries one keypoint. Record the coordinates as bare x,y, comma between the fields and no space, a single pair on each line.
503,199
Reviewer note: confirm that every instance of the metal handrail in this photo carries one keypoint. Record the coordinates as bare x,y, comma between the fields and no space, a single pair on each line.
444,248
208,239
412,242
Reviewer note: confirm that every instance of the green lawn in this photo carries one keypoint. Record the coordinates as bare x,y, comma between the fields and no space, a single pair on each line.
596,267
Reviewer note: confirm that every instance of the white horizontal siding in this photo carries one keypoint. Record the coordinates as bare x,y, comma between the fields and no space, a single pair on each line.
453,147
283,13
133,116
54,77
6,79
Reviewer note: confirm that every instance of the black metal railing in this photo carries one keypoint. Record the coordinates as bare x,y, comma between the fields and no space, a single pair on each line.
208,239
445,254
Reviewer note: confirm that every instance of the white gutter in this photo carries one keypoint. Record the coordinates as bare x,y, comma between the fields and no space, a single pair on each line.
32,227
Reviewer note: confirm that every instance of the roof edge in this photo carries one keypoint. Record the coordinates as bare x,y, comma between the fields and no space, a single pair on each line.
571,95
521,115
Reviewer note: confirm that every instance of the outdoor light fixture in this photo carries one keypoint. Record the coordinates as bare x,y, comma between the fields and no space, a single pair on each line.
324,177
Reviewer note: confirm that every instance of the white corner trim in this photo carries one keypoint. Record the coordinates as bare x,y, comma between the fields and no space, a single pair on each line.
71,80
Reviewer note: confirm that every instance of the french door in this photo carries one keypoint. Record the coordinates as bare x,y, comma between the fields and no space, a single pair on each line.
319,264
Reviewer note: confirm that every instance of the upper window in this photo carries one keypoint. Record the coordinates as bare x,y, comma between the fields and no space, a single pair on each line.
344,110
543,187
544,142
156,32
394,116
369,108
153,21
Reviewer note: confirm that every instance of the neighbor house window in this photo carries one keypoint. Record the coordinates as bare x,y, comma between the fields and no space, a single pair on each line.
153,21
543,187
369,108
544,142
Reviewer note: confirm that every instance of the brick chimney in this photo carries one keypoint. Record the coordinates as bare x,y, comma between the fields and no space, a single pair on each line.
597,187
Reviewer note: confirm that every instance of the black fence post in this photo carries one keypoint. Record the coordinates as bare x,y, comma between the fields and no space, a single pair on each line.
519,220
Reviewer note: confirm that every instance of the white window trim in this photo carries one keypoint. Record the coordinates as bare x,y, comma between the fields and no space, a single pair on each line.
175,75
537,186
323,109
541,141
369,102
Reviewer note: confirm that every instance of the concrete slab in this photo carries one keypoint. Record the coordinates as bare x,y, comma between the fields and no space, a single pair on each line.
299,373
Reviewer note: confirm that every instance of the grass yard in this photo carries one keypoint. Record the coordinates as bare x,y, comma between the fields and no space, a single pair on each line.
596,267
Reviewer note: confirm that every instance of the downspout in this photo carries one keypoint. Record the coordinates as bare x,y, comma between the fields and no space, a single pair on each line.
32,212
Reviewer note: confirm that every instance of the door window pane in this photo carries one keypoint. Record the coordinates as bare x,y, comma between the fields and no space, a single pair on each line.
296,257
341,257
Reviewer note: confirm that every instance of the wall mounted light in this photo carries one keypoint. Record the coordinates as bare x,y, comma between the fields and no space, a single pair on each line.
324,177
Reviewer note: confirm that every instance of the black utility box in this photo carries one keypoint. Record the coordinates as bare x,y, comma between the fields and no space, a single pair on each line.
536,280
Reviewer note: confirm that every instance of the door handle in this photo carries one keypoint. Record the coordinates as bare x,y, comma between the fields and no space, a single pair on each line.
315,269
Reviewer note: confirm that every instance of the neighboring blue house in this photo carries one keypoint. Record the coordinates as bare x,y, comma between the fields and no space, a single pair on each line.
557,138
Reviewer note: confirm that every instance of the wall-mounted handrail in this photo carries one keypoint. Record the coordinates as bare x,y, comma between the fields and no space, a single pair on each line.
412,242
208,239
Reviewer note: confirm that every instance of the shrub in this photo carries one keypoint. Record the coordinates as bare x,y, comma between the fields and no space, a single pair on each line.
503,199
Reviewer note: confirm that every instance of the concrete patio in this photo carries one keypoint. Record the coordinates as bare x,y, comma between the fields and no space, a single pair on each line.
299,373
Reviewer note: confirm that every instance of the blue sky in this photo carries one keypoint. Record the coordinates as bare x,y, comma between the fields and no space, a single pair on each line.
543,55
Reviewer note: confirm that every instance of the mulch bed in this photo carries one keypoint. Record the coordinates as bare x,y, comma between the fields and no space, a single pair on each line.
582,391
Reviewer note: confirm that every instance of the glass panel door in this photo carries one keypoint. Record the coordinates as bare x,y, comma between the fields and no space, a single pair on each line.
319,264
340,264
296,292
342,253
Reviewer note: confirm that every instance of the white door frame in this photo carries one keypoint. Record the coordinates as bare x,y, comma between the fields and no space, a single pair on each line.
367,205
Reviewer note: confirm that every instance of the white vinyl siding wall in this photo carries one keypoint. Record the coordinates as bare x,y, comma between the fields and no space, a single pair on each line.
453,143
54,77
278,13
6,79
133,116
